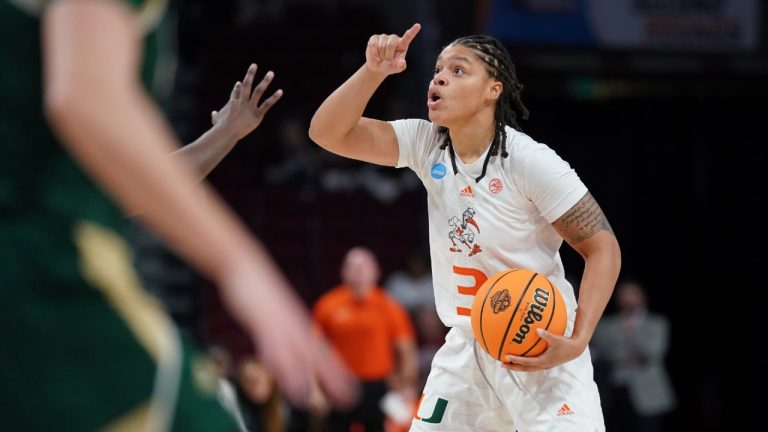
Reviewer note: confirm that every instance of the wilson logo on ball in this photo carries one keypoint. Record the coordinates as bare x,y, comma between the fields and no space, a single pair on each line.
535,311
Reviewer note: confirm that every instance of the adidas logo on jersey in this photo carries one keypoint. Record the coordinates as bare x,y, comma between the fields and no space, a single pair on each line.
564,410
467,192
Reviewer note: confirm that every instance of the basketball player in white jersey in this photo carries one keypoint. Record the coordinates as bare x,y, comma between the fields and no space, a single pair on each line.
497,200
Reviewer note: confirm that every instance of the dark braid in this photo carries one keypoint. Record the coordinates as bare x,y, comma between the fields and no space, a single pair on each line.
500,67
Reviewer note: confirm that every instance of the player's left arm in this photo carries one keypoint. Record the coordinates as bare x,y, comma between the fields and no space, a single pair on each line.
586,229
243,112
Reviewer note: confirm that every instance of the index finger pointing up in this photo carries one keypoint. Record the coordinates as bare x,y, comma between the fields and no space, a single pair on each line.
408,36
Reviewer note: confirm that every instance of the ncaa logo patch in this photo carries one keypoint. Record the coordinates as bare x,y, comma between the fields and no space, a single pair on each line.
438,171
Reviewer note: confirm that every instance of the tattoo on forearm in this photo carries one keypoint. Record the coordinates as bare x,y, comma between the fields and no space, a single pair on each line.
583,220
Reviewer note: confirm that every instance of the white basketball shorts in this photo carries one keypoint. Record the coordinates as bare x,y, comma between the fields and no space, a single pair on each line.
468,390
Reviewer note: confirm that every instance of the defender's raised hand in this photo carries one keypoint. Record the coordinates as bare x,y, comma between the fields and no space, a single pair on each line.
244,111
386,53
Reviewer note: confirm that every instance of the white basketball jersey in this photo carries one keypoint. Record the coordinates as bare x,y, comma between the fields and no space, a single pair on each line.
503,220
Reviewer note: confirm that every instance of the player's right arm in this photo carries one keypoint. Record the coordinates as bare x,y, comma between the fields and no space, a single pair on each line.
338,124
97,107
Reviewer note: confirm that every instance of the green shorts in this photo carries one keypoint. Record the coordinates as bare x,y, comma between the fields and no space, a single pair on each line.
83,346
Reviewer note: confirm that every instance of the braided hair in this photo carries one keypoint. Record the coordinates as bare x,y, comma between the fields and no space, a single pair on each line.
500,67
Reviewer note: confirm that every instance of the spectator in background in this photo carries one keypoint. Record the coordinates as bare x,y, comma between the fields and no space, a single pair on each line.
412,286
431,334
299,160
632,344
226,391
259,400
247,390
373,335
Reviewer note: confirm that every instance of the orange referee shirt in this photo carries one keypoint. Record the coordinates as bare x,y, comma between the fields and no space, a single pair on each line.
363,331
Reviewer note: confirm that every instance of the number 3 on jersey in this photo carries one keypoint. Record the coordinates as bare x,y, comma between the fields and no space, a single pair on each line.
479,278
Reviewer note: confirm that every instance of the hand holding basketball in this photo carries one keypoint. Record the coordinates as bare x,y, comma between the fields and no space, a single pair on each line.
510,311
560,350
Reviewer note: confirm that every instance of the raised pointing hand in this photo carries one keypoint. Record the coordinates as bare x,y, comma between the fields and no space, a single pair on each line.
386,53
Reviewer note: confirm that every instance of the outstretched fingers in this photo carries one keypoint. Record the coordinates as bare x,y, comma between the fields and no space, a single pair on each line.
248,80
237,91
264,107
259,90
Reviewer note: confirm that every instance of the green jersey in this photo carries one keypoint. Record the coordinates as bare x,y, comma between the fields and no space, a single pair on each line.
37,176
82,345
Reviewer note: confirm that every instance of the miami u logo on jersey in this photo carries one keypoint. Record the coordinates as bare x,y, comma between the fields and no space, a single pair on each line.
462,233
437,412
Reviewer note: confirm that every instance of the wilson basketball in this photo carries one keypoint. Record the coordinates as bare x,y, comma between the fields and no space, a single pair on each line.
510,306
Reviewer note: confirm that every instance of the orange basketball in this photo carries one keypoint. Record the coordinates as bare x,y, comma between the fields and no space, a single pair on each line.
510,306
